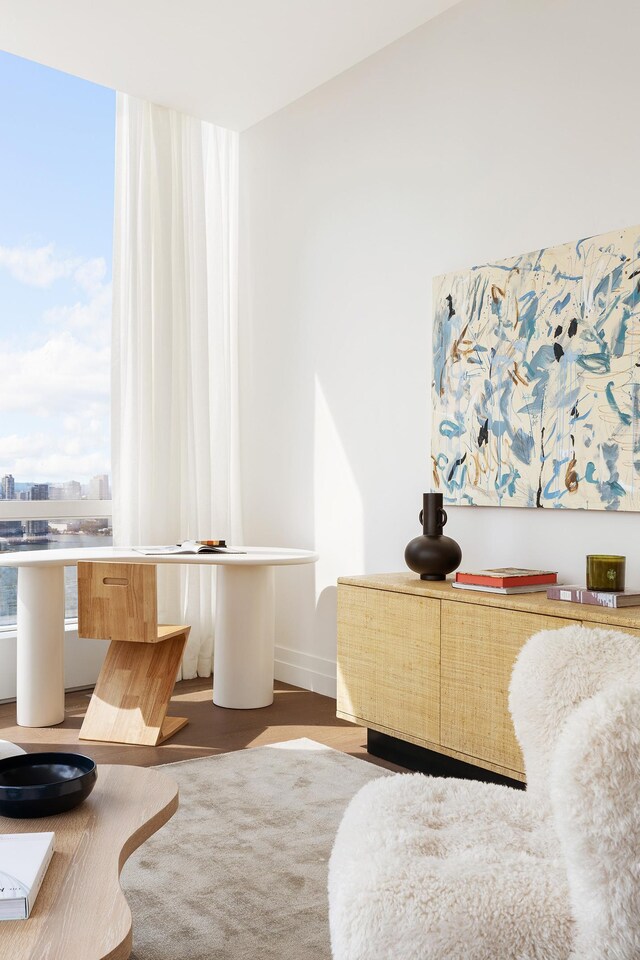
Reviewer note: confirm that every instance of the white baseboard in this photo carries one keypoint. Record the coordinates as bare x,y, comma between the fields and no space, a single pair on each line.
306,670
84,658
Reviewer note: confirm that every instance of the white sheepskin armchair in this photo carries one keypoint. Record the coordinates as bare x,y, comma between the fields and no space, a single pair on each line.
436,869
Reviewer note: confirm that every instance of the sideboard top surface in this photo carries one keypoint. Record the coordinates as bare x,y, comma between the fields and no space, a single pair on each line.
628,617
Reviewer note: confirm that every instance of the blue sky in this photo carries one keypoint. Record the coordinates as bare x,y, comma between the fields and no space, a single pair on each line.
57,137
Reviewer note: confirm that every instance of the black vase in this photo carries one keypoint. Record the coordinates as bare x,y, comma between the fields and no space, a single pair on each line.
432,555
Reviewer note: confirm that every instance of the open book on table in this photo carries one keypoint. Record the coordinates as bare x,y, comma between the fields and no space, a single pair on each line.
189,546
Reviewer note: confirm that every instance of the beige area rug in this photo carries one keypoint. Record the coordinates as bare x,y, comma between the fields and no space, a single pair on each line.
240,871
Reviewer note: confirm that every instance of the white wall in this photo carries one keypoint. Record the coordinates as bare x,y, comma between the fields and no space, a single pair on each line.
499,127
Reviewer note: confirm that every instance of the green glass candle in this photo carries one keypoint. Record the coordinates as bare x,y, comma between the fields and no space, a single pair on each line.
605,573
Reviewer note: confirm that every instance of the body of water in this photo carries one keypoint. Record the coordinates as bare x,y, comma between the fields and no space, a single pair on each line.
56,541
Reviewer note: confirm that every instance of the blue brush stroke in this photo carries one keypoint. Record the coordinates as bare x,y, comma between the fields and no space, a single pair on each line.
566,276
609,283
561,304
507,481
557,480
619,341
440,352
610,490
631,300
596,362
450,429
624,417
522,446
528,315
450,482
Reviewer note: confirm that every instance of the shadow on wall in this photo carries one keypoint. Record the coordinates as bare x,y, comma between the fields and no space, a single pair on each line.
326,619
305,652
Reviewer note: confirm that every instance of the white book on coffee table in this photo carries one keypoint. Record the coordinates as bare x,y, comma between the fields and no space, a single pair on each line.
24,858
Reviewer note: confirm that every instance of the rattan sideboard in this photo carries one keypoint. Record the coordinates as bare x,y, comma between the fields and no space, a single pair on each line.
430,665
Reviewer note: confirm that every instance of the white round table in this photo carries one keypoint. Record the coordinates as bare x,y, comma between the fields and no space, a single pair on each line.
244,634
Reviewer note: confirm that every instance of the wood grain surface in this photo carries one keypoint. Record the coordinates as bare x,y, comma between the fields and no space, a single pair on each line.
525,602
118,602
130,700
211,729
81,912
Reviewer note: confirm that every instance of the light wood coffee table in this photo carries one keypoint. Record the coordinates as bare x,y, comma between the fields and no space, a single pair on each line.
81,912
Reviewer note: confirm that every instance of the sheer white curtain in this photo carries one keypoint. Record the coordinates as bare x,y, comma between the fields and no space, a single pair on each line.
174,389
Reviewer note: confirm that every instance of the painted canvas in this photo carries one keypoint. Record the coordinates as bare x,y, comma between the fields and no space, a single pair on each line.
536,378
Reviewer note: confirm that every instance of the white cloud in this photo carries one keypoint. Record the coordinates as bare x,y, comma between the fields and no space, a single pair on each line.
58,377
42,266
38,266
57,467
90,320
90,422
57,455
55,387
90,275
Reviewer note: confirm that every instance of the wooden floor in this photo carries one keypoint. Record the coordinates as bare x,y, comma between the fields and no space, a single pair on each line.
211,729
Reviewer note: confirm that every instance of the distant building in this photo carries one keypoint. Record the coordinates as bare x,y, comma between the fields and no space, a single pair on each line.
8,487
11,528
99,488
69,490
72,490
38,528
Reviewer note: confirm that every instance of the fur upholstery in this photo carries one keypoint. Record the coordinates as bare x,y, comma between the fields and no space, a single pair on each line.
595,789
555,671
433,869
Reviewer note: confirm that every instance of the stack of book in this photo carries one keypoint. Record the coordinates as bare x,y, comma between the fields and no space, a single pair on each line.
599,598
506,580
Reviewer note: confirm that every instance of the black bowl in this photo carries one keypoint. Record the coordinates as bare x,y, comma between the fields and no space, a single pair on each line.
41,784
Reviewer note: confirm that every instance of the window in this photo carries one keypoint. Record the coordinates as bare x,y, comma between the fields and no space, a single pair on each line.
56,215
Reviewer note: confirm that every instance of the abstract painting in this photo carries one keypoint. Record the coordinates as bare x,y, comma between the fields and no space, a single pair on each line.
536,378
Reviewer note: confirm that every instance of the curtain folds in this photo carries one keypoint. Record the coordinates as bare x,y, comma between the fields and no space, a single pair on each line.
174,366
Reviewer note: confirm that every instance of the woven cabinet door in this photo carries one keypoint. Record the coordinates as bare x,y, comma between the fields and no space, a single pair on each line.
479,647
389,661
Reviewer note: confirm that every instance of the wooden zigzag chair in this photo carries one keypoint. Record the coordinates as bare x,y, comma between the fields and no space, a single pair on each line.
118,602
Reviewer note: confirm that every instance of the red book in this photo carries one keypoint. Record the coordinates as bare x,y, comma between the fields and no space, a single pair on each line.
507,577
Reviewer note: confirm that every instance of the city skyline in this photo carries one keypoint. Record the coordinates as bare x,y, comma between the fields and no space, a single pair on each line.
98,488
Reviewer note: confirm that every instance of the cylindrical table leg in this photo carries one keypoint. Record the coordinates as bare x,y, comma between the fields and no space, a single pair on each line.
244,640
40,673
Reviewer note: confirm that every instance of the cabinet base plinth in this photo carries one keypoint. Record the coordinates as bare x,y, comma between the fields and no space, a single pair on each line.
417,758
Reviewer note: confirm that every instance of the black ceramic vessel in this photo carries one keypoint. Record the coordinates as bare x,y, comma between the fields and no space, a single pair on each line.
41,784
432,555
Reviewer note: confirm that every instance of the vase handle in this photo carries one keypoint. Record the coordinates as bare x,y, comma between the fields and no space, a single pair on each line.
441,517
